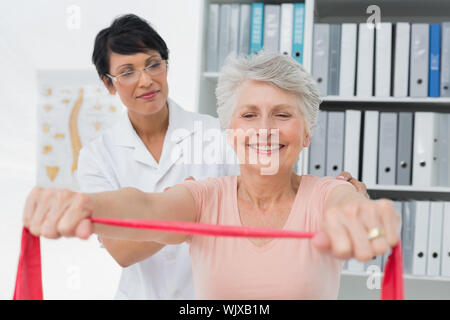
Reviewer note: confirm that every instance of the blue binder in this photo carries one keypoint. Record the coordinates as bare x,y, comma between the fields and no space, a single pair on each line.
298,32
257,27
435,61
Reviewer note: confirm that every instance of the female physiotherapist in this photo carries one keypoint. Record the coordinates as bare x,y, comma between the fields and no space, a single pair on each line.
139,151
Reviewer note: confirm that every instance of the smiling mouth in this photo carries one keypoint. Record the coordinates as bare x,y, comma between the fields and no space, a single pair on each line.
266,148
149,95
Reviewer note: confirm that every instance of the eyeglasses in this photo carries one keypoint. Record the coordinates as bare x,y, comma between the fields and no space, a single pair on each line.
128,78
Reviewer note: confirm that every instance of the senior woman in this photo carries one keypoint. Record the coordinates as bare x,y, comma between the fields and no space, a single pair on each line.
132,60
272,93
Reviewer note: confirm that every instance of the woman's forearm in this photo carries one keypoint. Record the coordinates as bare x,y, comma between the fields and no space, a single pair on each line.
54,213
126,203
127,252
130,203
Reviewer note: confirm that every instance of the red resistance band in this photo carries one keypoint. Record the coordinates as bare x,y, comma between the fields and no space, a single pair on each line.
29,279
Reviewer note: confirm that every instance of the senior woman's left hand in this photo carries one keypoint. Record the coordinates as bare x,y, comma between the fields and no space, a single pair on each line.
345,230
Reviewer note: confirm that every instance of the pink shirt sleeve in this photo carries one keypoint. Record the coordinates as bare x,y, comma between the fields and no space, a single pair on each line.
204,192
323,189
201,190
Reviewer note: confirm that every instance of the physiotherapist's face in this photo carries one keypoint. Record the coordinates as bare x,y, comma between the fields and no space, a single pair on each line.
148,95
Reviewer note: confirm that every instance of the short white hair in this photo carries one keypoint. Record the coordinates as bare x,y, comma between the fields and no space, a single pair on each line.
275,68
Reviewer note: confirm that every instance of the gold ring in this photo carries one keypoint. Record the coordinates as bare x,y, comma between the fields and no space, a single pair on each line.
375,233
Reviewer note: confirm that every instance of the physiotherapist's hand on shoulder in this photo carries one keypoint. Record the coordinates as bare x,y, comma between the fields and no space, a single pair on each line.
359,230
360,186
190,178
54,213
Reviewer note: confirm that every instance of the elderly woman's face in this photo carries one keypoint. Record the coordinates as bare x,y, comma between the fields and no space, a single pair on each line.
262,107
148,94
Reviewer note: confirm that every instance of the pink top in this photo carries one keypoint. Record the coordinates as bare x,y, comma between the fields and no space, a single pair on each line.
235,268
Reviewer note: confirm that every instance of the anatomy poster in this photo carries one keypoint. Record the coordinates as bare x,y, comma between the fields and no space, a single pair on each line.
74,108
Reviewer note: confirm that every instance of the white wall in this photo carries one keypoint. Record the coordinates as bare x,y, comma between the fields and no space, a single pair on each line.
34,36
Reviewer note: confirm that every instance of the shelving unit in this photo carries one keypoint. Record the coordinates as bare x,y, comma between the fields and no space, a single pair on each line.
406,277
353,286
391,104
409,192
208,80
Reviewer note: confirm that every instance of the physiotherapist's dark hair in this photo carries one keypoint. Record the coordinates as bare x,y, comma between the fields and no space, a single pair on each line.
127,34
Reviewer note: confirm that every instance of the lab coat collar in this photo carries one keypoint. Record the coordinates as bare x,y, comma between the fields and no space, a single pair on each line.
126,136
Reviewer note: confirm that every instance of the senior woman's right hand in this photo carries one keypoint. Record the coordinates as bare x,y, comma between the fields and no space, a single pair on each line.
55,213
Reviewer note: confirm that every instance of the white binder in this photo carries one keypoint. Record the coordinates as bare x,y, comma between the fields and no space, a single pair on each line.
334,59
320,61
287,20
271,32
384,258
401,62
376,261
420,35
345,266
244,29
444,149
234,28
335,143
383,54
398,206
352,139
419,267
408,231
318,147
364,75
435,239
348,60
445,60
213,39
404,148
224,33
370,151
387,150
445,265
355,266
425,156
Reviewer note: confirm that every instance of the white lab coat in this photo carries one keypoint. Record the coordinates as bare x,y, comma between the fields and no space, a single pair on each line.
119,158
